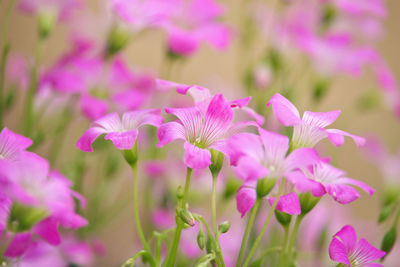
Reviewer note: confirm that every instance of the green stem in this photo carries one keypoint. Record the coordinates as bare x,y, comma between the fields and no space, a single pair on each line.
268,251
131,261
249,226
3,63
265,226
170,261
30,95
287,255
214,218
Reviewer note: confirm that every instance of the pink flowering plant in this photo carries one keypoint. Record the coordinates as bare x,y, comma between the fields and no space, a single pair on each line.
198,133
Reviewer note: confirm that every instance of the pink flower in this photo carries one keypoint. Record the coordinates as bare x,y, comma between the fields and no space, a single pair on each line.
326,179
18,71
202,128
12,145
60,9
310,129
195,21
122,132
255,157
344,248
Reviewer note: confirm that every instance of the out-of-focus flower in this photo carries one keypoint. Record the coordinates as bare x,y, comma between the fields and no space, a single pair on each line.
12,145
58,9
326,179
18,71
195,21
122,132
344,248
202,128
310,129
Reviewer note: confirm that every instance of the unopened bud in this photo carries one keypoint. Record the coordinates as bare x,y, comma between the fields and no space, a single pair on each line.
264,186
187,217
224,227
283,218
211,245
201,240
117,40
388,240
307,202
179,193
217,161
46,24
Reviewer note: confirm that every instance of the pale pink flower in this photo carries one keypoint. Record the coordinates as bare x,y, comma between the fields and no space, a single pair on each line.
60,9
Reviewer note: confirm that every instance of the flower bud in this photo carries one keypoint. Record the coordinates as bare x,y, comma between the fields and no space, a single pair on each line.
179,193
201,240
117,40
264,186
217,161
224,227
388,240
386,211
46,24
211,245
186,216
283,218
307,202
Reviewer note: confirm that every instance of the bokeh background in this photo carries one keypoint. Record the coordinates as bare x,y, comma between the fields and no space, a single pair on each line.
219,71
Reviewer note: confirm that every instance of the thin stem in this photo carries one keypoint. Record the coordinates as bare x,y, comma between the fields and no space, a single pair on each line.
33,84
268,251
170,261
136,207
293,236
265,226
249,226
214,218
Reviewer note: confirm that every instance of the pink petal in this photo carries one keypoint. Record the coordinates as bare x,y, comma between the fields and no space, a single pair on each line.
240,103
217,120
110,123
358,183
191,120
216,34
253,114
48,230
245,199
288,203
320,119
130,99
337,252
195,157
169,132
198,93
348,237
275,145
304,184
85,142
366,253
301,158
284,111
123,140
245,144
132,120
19,245
182,43
11,144
5,206
337,137
248,168
343,194
92,107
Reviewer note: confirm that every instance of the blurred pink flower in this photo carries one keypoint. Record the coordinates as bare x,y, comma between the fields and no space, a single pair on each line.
18,71
12,145
310,129
345,248
122,132
60,9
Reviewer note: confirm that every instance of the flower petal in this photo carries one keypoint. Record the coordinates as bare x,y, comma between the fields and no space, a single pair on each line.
169,132
93,108
48,230
343,194
123,140
348,237
5,206
110,123
320,119
288,203
195,157
284,111
337,137
304,184
132,120
358,183
248,168
364,252
245,144
301,158
11,144
275,146
191,120
19,245
337,252
245,199
85,142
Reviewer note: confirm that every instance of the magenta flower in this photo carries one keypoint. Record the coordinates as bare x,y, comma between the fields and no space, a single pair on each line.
60,9
310,129
326,179
345,248
12,145
122,132
195,21
202,128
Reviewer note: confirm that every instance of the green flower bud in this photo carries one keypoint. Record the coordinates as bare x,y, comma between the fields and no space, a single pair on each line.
46,24
117,40
201,240
386,211
217,161
179,193
264,186
186,216
232,185
211,245
388,240
224,227
283,218
321,87
307,202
